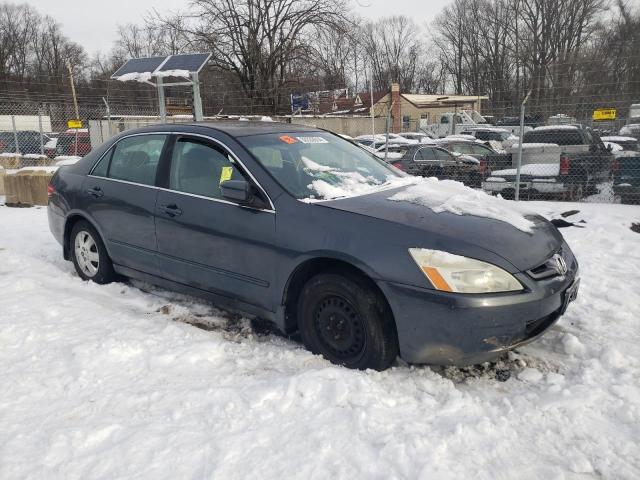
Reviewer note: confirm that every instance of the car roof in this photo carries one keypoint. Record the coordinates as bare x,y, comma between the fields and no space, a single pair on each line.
233,128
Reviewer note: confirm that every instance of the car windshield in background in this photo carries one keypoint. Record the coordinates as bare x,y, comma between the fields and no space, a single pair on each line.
319,165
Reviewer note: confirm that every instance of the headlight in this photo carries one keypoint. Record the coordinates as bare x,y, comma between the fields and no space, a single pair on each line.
453,273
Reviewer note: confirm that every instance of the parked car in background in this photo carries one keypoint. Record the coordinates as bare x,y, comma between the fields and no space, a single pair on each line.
491,135
433,161
264,218
559,160
29,142
488,158
631,130
626,177
50,147
74,142
629,144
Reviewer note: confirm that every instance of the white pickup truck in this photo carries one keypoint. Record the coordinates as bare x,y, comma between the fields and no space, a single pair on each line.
556,160
454,123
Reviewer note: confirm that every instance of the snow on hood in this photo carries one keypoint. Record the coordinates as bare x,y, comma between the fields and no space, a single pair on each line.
454,197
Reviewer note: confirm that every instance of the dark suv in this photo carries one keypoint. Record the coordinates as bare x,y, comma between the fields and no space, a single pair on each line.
431,161
29,142
303,228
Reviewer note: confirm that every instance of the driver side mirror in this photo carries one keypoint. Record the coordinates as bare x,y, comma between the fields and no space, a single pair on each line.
242,192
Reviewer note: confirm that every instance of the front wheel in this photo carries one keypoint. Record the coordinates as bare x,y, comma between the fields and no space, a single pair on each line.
89,255
349,323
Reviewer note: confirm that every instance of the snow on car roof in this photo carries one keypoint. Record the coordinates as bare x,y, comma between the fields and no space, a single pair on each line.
555,127
617,138
487,129
535,145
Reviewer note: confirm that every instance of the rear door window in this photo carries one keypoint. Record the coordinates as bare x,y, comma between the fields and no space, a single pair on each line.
135,159
443,154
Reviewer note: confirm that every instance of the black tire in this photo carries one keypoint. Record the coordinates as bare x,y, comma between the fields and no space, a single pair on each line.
104,272
348,322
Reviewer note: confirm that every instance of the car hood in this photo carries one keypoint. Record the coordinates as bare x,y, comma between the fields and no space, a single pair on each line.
523,250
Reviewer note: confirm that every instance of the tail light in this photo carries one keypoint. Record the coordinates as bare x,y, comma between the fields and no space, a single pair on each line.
398,165
565,163
50,191
482,167
615,165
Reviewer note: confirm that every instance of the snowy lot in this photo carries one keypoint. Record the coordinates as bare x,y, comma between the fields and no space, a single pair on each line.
114,381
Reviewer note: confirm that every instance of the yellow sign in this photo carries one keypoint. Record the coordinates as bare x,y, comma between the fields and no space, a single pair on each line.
604,114
74,123
226,174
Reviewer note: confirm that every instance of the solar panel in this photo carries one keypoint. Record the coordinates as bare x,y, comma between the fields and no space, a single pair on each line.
139,65
192,62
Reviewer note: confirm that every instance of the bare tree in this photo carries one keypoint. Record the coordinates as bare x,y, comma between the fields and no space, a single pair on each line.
394,49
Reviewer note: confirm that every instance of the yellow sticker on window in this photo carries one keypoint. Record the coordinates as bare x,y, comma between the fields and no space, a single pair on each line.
226,174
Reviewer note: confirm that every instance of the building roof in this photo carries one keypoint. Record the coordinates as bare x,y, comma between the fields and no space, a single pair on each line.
421,100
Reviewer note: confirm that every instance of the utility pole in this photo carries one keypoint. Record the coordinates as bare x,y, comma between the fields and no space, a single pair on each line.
73,90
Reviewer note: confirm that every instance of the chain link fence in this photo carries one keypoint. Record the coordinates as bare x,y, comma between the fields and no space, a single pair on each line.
562,156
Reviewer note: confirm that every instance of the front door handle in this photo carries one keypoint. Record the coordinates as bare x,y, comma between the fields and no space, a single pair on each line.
95,192
172,210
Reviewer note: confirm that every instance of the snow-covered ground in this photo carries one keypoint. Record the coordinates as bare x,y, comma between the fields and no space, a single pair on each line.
115,381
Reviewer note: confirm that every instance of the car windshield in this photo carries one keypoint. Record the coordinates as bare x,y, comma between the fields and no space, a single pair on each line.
319,165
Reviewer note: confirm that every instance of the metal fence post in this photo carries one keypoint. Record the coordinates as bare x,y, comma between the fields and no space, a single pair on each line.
15,134
40,129
161,104
197,100
519,164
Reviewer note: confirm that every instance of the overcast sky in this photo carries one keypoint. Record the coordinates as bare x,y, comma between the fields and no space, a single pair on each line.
93,23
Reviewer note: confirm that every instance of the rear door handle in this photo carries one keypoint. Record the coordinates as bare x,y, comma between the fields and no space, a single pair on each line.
172,210
95,192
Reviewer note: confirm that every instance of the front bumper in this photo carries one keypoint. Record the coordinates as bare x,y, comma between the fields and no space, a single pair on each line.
442,328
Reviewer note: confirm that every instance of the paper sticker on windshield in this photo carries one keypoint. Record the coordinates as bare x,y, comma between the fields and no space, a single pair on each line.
312,140
288,139
226,174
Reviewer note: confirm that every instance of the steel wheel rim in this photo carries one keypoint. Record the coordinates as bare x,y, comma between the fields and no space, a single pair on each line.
86,253
339,328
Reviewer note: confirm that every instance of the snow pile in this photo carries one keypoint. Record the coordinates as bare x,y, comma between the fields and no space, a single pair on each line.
115,382
454,197
49,169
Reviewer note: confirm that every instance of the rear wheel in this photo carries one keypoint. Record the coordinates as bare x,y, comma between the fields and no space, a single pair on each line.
349,323
89,255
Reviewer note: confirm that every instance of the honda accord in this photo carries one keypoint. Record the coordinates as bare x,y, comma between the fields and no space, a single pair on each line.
299,226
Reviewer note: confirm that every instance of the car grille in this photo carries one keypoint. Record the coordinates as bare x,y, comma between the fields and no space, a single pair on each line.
549,268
